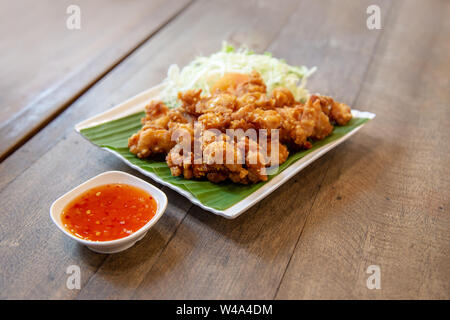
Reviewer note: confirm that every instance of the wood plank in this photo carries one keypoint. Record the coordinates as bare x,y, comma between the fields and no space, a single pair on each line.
35,255
147,74
212,258
385,197
39,165
203,256
45,66
240,24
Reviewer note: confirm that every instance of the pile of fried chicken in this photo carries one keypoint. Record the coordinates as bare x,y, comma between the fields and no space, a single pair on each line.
237,101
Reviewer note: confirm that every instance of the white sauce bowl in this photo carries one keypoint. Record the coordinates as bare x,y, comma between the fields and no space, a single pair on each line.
109,177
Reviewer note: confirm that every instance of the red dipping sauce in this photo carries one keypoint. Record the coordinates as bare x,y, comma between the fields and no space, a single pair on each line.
108,212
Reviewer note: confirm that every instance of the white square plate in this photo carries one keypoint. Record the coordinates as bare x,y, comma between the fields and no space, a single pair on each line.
137,104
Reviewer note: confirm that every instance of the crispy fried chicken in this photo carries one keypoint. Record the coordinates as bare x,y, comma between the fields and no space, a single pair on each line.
239,102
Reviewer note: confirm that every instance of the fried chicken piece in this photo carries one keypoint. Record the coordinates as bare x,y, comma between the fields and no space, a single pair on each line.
282,97
150,140
223,110
250,116
304,121
292,132
336,111
155,136
191,101
217,111
322,126
283,153
341,113
256,99
256,162
254,84
241,161
213,120
213,111
214,160
156,112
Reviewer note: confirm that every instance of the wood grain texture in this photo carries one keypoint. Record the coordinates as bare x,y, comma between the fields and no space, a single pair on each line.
385,196
45,66
32,164
247,257
377,199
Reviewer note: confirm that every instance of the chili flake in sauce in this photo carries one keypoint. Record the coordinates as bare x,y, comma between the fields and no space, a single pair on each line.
108,212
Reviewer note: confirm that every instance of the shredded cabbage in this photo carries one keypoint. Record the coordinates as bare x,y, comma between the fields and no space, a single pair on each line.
202,72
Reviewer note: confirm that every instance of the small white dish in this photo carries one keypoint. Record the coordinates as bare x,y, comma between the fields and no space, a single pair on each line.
118,245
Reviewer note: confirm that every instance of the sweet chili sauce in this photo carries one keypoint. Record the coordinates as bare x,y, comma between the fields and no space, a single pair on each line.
108,212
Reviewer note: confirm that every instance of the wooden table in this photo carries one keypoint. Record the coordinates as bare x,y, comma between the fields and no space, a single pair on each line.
381,198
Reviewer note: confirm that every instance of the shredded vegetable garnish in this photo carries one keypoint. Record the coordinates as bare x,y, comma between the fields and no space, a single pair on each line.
202,73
